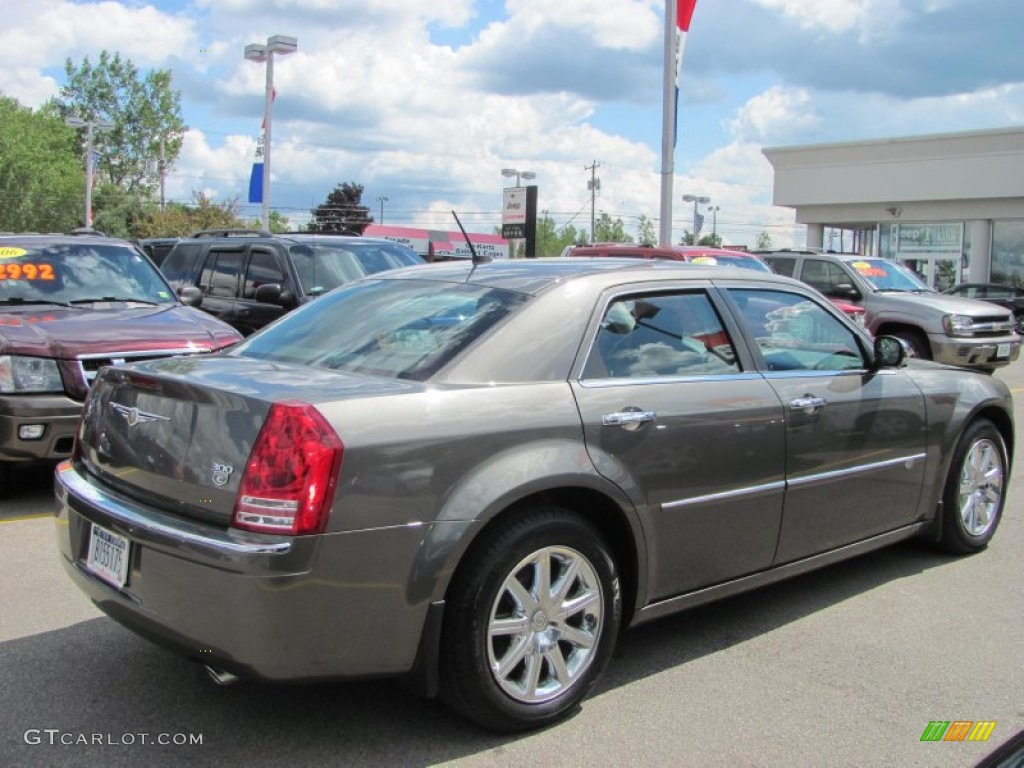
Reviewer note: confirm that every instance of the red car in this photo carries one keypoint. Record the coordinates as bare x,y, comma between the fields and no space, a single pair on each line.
695,254
70,305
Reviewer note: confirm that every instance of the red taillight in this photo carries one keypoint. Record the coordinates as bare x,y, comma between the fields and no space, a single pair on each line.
291,474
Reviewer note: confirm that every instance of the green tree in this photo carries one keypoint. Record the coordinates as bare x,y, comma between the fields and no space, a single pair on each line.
764,242
342,213
645,231
41,184
117,213
143,109
712,241
278,223
551,240
179,220
608,231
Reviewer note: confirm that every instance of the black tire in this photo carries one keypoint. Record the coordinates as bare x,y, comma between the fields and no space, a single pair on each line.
915,342
975,491
566,652
6,479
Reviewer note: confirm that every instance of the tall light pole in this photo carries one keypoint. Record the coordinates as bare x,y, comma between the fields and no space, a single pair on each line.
593,186
714,221
90,126
280,44
510,172
382,200
696,200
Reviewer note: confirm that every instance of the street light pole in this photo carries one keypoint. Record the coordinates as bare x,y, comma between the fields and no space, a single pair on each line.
696,200
510,172
382,200
281,44
90,126
714,221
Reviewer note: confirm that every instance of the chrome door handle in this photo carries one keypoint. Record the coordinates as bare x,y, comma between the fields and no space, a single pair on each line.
808,403
627,419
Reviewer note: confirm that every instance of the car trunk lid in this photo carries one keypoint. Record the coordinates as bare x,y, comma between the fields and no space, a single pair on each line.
176,434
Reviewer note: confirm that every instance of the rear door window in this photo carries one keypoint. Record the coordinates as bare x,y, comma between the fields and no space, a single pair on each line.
220,273
654,335
783,265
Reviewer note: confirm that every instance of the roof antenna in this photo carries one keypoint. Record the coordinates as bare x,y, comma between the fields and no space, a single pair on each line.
477,258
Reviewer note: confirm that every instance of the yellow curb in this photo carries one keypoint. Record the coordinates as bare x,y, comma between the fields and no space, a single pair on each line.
20,518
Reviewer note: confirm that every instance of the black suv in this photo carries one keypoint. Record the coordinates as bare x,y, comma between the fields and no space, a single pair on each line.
249,278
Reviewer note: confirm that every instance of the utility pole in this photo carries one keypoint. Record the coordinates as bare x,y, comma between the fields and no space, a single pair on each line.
593,185
163,172
382,200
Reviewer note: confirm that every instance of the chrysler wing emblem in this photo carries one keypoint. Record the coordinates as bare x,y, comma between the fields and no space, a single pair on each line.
134,416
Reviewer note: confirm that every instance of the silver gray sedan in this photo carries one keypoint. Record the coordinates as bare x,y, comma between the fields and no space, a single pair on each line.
473,477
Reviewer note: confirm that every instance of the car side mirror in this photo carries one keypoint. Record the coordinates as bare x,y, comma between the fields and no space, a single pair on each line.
269,293
191,296
889,352
845,291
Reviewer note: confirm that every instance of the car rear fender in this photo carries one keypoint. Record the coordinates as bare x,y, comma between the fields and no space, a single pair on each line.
542,469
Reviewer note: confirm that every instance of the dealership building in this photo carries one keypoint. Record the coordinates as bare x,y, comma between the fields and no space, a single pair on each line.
949,205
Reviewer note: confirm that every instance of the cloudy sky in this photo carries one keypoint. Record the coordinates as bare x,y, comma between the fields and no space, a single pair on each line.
425,101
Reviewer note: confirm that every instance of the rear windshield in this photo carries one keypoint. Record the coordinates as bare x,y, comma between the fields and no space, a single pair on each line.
406,329
322,267
77,273
727,260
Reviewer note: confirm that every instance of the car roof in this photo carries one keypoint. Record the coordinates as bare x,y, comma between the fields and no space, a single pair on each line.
62,239
535,276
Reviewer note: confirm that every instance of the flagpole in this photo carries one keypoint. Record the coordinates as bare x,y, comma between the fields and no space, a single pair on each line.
668,125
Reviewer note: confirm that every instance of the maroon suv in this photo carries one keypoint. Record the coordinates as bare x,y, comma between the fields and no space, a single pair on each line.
68,306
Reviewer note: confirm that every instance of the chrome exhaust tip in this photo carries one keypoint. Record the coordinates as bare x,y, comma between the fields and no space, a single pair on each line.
220,677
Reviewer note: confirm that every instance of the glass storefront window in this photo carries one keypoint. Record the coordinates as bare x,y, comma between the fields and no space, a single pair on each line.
1008,252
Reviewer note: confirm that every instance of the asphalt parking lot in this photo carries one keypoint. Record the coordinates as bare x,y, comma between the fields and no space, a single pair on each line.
846,666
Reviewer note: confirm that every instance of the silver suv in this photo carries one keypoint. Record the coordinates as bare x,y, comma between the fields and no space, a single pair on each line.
934,326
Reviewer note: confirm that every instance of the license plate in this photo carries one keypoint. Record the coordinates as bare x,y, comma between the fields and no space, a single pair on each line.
1003,350
108,556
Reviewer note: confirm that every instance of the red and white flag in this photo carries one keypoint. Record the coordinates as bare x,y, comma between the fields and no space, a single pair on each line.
684,12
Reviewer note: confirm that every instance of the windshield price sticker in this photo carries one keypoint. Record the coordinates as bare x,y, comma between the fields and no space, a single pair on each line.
27,271
869,270
10,252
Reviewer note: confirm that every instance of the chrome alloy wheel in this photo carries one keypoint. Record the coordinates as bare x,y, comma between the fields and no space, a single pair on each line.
544,625
981,486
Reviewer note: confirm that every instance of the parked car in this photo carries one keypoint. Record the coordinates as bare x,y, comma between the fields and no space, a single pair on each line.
157,248
698,254
249,278
473,476
934,326
70,304
1007,296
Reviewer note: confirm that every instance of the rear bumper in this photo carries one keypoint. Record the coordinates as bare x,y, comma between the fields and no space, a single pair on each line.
58,415
975,353
262,607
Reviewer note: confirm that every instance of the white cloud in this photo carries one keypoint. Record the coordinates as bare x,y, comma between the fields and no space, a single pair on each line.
43,33
627,24
868,18
776,113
